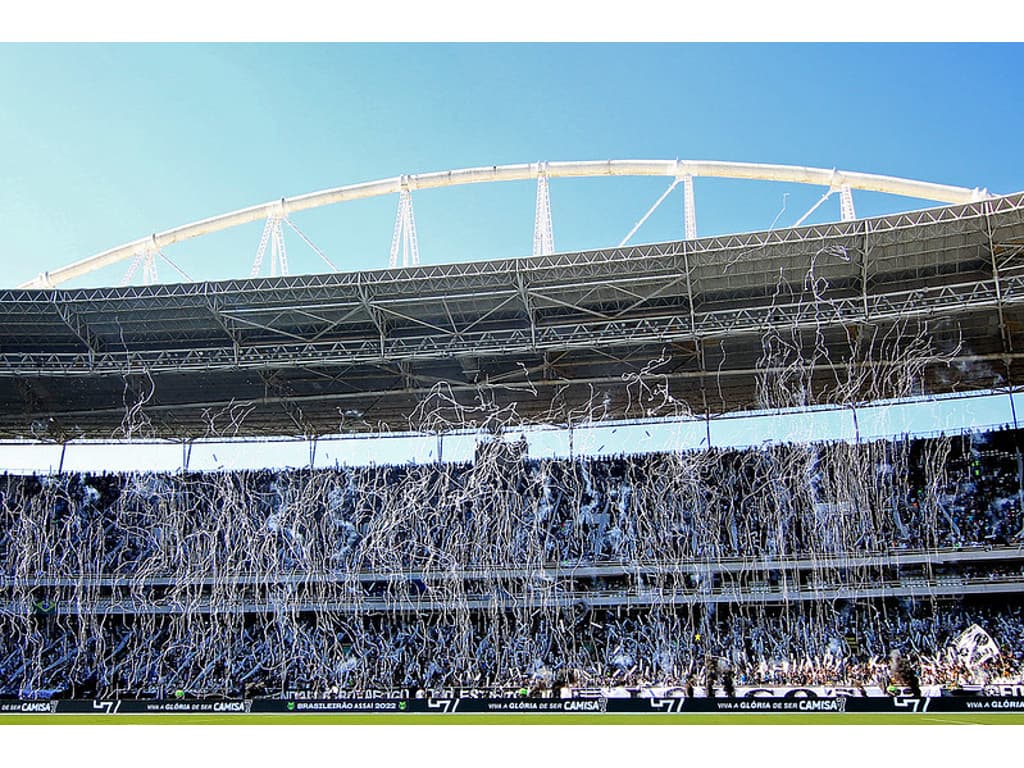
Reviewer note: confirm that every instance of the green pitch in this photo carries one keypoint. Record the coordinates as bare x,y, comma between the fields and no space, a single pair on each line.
953,718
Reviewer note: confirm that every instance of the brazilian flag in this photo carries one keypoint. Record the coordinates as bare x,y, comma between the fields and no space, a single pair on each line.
44,607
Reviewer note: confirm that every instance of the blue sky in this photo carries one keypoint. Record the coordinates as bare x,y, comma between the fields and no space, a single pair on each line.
103,144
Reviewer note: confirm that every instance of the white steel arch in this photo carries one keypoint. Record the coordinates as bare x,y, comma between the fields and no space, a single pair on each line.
678,169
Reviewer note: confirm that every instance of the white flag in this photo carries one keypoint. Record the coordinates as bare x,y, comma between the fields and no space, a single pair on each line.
975,646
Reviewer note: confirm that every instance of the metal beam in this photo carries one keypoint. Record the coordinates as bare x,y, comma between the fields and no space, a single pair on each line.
551,571
550,378
667,325
79,328
671,168
1004,334
735,594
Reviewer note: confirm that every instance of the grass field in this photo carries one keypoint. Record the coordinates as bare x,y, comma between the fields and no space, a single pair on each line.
981,718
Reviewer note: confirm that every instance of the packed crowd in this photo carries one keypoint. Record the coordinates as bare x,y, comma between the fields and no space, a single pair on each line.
765,503
320,656
219,541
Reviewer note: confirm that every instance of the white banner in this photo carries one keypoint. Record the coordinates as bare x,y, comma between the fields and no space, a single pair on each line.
975,646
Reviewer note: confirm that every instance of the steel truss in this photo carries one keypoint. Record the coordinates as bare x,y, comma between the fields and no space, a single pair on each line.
684,170
601,312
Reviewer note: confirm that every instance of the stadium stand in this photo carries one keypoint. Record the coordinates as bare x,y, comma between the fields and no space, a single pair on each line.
806,564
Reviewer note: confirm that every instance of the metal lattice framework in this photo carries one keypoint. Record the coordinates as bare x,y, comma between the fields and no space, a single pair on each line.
542,334
405,231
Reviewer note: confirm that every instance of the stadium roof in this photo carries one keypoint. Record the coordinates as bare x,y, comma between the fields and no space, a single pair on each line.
630,331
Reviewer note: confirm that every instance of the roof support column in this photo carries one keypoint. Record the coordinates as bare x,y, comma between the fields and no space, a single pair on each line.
78,327
543,234
864,269
375,316
689,208
1007,341
846,209
404,237
524,296
698,341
